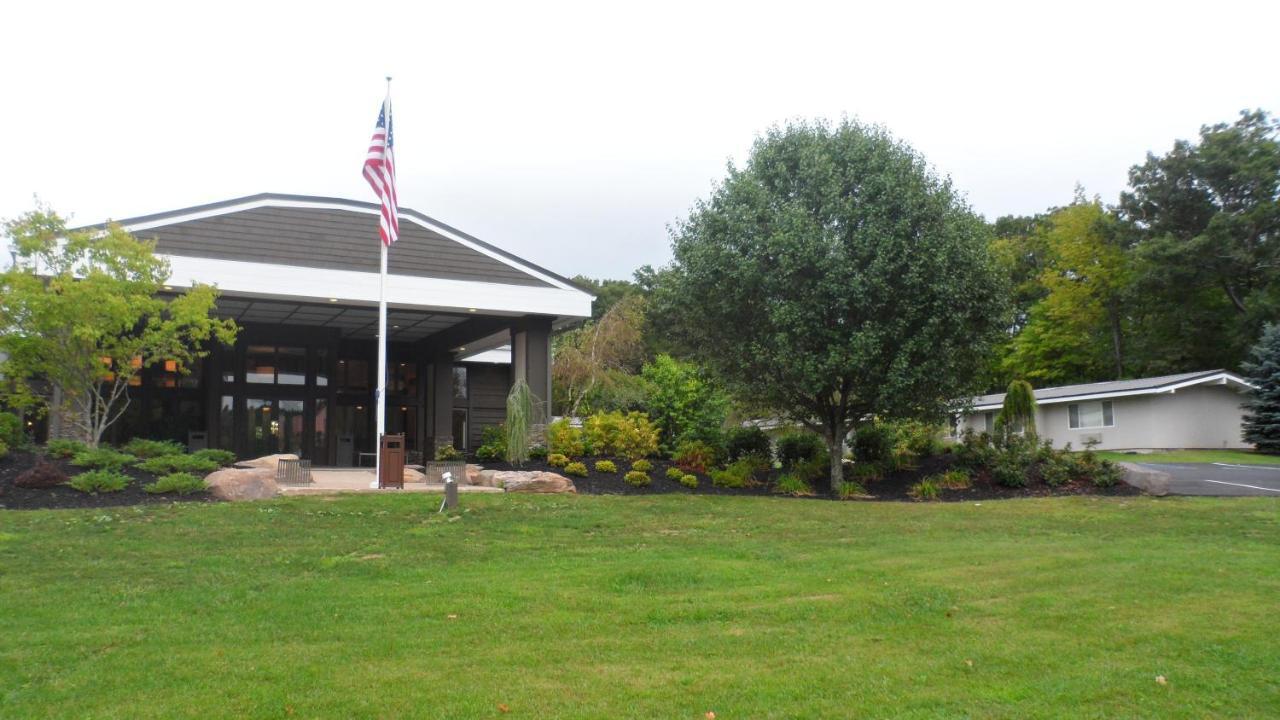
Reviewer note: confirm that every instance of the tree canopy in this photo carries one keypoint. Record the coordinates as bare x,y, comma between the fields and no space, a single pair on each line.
835,277
83,315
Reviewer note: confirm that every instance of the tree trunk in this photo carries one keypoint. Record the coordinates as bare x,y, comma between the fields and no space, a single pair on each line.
835,448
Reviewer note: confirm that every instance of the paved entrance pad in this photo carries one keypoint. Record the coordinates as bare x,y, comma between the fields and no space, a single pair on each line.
1219,479
327,481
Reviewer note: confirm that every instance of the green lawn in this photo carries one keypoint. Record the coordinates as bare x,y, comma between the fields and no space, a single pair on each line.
645,607
1235,457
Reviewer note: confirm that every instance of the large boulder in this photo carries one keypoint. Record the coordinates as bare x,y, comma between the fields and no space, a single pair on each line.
235,483
1152,482
473,473
414,476
528,481
266,462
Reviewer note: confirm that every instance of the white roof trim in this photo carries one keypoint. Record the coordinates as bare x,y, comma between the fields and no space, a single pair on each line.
254,203
289,282
1222,378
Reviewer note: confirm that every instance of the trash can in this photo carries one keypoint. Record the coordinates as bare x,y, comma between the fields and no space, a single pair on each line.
391,462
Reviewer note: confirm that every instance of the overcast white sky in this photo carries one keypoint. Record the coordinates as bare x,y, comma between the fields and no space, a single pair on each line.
572,134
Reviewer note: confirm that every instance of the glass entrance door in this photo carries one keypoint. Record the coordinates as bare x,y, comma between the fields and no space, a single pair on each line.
275,426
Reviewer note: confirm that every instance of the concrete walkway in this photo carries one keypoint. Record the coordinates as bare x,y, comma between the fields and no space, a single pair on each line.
327,481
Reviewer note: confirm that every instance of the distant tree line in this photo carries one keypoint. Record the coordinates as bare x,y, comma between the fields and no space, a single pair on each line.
1179,275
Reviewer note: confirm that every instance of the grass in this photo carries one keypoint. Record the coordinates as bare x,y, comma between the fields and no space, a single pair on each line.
1235,457
657,606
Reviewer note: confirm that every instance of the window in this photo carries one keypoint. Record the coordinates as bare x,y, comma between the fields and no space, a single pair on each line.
259,364
322,367
271,365
353,374
165,374
404,379
226,423
291,366
460,429
1090,415
459,383
989,421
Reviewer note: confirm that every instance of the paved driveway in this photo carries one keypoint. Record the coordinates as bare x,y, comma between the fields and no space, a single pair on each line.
1219,479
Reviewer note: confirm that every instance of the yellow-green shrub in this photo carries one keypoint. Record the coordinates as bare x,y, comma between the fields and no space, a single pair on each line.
564,439
631,436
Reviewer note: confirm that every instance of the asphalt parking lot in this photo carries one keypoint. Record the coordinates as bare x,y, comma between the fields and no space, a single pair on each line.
1219,478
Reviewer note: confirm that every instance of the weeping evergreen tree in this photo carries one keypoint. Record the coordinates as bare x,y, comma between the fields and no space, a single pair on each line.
520,421
1262,369
1019,410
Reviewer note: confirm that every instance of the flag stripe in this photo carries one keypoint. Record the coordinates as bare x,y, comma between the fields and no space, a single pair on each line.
380,172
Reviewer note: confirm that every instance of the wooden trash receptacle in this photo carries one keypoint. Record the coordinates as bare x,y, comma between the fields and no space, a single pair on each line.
391,462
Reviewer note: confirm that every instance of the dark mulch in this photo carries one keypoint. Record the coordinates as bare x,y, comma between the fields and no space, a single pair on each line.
893,487
13,497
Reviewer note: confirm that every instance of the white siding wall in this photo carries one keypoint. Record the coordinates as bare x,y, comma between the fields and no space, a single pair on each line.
1195,417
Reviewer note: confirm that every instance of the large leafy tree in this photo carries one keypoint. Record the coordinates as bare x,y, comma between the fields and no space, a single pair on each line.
1075,331
1207,216
835,277
83,314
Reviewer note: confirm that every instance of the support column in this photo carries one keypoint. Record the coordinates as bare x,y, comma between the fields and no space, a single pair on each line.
440,398
531,362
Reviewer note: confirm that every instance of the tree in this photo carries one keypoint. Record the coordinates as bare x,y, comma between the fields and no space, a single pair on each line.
683,404
595,365
1018,413
1075,331
1262,421
1207,217
82,313
835,277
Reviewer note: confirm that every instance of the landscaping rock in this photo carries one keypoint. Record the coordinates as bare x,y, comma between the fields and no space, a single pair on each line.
1152,482
473,474
266,462
235,483
530,481
414,476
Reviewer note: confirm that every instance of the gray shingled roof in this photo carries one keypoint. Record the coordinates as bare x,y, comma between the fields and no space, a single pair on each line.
1151,384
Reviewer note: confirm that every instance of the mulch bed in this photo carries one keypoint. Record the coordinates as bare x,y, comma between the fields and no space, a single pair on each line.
596,483
13,497
893,487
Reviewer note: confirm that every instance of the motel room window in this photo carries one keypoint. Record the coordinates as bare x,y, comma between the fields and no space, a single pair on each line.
1086,415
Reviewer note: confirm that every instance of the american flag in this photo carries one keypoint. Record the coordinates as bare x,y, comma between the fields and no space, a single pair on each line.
380,171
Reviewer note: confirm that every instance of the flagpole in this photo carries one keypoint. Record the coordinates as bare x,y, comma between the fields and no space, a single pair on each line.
382,334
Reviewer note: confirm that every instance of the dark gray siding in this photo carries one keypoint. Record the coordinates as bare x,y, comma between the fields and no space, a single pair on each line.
489,385
333,239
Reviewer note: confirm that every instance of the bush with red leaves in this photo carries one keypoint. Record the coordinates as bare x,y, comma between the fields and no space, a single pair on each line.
45,474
